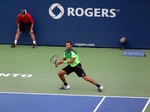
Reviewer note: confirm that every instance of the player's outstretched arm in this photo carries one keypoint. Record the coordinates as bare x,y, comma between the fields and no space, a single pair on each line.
60,62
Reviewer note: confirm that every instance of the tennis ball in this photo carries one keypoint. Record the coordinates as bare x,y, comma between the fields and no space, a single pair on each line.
122,40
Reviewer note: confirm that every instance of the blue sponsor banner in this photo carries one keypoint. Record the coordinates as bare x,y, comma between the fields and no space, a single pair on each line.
134,53
94,23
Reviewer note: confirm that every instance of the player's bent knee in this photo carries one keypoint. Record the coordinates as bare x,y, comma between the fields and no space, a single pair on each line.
31,33
61,72
18,32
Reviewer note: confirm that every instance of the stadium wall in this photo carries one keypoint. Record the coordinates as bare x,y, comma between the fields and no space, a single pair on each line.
92,23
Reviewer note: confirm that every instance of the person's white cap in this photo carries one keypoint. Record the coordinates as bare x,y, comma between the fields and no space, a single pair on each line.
23,11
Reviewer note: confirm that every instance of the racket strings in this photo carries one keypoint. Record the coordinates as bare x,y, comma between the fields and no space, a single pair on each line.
54,59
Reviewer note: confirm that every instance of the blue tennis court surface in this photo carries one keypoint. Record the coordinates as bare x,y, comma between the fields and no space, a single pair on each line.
21,102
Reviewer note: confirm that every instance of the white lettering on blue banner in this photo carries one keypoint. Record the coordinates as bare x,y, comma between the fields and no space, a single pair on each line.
134,53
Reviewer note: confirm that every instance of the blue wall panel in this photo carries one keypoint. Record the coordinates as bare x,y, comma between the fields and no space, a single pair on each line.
129,18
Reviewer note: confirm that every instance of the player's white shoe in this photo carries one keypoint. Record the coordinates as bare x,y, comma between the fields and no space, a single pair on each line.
66,87
100,89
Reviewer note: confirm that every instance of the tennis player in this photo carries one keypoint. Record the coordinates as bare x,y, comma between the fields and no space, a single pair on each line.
24,21
71,58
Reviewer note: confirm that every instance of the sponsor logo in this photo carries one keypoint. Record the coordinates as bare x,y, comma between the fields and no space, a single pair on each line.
53,7
85,44
79,12
15,75
91,12
135,53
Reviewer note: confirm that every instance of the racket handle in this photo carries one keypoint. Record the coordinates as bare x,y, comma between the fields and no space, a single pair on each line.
55,62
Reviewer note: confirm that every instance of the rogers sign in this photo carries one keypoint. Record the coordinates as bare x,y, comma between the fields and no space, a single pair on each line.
79,12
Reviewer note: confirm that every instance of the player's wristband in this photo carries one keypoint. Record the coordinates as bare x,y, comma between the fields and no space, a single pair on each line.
65,61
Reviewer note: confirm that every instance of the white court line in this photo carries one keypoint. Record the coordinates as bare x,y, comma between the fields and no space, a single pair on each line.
99,104
146,105
73,95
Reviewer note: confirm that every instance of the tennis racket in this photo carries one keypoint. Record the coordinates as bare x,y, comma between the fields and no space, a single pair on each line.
54,59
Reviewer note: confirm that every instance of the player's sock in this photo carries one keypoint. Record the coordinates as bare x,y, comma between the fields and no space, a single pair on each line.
98,85
65,83
34,42
15,42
